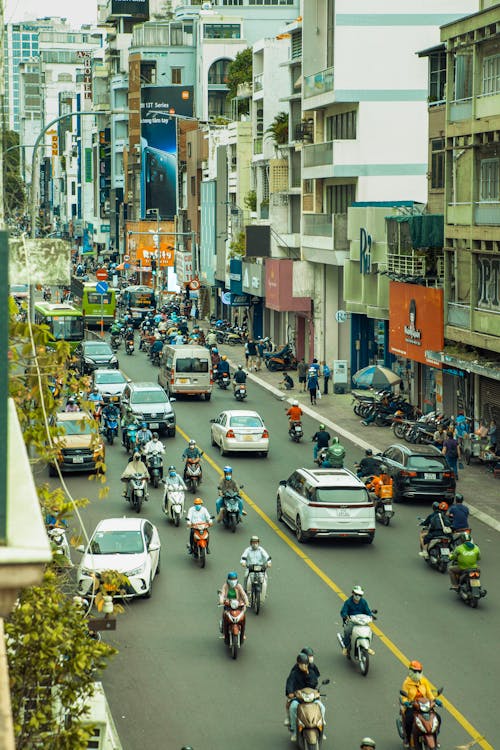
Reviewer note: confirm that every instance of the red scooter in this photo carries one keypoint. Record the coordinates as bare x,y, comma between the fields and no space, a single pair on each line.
425,726
233,625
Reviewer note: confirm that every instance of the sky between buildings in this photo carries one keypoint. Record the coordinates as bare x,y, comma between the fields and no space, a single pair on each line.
77,13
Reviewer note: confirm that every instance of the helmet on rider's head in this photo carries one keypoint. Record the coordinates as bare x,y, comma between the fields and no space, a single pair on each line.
357,591
224,357
197,501
228,470
215,350
71,400
335,440
232,578
469,544
322,427
295,402
254,540
416,666
155,436
443,506
137,456
435,505
459,498
192,442
367,742
144,425
95,389
240,367
307,650
368,452
302,658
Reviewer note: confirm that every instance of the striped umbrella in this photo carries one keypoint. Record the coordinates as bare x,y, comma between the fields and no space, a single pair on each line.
375,376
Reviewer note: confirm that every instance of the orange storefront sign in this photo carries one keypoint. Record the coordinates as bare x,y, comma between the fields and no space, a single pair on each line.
148,239
416,325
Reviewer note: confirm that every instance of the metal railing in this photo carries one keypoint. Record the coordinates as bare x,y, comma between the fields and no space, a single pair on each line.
318,154
318,83
318,225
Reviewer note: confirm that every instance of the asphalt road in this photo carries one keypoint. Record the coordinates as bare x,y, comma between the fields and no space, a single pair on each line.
174,683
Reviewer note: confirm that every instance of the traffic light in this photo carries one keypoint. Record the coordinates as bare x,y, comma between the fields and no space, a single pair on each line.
55,145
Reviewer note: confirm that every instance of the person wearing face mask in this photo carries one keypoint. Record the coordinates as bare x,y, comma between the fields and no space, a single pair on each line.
232,590
307,650
415,686
255,555
227,485
301,676
354,605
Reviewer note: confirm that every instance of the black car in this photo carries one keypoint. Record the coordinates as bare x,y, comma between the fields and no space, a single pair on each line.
95,355
418,471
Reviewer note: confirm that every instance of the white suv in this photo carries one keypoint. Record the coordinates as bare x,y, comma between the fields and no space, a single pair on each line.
326,502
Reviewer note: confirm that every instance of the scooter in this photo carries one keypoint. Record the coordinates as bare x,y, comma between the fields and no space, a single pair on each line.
256,577
129,436
223,380
310,725
425,727
60,546
283,360
438,552
296,431
200,542
173,502
110,428
192,474
383,510
361,639
469,587
232,621
137,491
155,463
240,392
231,510
129,346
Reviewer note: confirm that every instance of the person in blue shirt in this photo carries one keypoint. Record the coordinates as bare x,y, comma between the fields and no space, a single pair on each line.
326,378
223,366
312,384
156,347
355,605
459,514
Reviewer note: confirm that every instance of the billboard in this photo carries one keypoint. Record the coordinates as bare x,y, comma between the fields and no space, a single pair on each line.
159,145
416,326
135,8
149,240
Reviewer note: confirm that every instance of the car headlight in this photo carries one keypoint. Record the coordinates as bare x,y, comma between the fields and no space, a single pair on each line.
135,571
114,360
87,572
88,361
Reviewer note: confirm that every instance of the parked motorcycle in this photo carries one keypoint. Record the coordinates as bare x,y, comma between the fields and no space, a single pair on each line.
425,727
282,360
310,724
200,543
173,502
296,431
110,428
231,510
192,474
233,618
155,464
60,547
136,491
469,587
240,392
361,639
223,380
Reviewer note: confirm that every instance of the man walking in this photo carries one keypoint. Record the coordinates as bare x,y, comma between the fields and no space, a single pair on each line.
326,378
312,385
302,373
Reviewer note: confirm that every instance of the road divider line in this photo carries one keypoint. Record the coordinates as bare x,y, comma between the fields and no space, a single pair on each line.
400,656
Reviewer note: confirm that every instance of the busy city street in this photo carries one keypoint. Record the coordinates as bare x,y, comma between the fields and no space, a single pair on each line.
173,669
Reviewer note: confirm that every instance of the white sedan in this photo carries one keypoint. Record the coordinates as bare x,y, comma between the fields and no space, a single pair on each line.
239,430
110,384
128,545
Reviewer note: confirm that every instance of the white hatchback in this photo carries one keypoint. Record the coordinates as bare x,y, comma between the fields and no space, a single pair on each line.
128,545
240,430
326,502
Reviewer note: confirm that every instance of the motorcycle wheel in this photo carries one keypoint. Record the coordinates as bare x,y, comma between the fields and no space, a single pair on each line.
156,481
176,519
279,512
111,437
232,524
380,421
137,504
202,556
442,566
273,366
364,661
256,600
386,520
399,431
234,646
356,409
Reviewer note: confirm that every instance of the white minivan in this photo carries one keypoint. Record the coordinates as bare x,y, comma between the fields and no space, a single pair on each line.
187,370
326,502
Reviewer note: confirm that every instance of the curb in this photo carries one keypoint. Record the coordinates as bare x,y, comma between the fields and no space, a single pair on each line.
475,512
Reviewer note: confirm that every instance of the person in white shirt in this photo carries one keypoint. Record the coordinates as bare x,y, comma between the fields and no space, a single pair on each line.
255,555
197,514
154,445
173,482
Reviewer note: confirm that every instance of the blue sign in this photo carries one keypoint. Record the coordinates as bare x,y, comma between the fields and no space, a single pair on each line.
101,287
235,280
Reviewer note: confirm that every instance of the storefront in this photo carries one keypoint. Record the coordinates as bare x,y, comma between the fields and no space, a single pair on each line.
287,313
253,284
416,337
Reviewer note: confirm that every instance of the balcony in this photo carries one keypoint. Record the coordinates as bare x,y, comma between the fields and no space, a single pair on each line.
258,82
258,146
318,83
318,155
317,225
487,213
324,238
458,315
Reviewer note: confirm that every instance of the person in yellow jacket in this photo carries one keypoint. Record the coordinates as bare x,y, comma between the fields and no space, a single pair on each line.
381,486
415,686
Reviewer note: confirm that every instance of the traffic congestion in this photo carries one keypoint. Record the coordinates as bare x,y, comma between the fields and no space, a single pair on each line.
253,529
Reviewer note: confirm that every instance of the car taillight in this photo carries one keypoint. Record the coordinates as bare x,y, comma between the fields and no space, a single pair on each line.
473,574
265,434
172,376
448,474
230,434
408,473
211,377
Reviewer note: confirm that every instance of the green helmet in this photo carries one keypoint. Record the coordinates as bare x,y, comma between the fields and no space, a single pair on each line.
335,440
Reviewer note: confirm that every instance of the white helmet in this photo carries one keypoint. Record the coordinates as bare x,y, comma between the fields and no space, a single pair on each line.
295,402
357,591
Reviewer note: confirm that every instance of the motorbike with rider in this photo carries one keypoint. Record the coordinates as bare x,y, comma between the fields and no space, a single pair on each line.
229,504
256,561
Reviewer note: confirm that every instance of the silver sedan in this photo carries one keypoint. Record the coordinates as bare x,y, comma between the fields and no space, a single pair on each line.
240,430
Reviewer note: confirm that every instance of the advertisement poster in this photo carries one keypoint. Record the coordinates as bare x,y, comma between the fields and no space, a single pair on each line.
416,322
134,8
159,145
146,240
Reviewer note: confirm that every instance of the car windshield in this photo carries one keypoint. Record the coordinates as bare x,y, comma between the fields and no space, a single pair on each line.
245,421
343,495
117,543
191,364
76,426
110,376
426,463
149,397
98,348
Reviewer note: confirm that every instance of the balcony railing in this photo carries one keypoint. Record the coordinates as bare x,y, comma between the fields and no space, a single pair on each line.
257,82
458,315
318,155
318,225
318,83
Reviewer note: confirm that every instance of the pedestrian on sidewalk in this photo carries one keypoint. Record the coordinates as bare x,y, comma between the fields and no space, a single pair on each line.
315,366
246,354
451,450
260,354
286,383
302,373
326,377
252,353
312,385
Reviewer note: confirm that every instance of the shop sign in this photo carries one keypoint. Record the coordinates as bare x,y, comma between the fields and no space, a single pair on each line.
416,325
488,282
252,278
365,251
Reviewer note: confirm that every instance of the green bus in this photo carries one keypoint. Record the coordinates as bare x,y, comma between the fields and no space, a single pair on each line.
66,322
94,305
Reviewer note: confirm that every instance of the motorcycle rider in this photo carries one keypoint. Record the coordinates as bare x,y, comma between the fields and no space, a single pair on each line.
321,438
227,485
294,413
143,436
434,527
222,367
354,605
156,347
95,398
155,446
367,743
211,338
192,452
72,405
173,482
233,590
459,514
255,555
381,485
335,454
197,514
110,412
301,676
239,377
465,557
128,336
416,686
135,466
368,466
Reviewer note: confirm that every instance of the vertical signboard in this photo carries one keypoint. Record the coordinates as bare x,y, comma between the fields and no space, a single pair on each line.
133,8
160,108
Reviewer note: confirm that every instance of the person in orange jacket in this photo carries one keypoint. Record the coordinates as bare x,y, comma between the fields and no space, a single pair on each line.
381,485
294,413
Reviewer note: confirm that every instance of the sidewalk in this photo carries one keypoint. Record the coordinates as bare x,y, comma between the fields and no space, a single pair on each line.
480,489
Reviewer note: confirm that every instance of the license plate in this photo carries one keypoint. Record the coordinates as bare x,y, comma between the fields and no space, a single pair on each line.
115,398
154,425
248,438
475,582
78,459
183,380
387,507
430,476
342,512
445,551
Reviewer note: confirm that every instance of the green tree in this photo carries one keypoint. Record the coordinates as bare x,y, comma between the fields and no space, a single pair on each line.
239,71
14,189
278,129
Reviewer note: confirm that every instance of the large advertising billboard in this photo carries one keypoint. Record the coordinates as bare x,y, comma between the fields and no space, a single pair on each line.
159,145
148,240
416,328
135,8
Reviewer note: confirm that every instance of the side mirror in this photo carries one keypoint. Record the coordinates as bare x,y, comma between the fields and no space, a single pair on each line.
212,421
440,690
80,549
283,482
241,486
326,682
172,399
404,693
374,611
153,548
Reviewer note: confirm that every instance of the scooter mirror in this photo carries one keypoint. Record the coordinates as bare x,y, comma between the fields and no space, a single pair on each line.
403,692
440,690
326,682
374,611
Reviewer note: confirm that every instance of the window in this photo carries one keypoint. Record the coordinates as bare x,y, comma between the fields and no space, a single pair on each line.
193,185
463,77
339,198
296,51
491,75
437,163
176,75
489,180
217,74
437,77
341,127
308,186
176,36
222,31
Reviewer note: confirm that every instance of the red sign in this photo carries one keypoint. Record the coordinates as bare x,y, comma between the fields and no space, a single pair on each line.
416,322
279,287
101,274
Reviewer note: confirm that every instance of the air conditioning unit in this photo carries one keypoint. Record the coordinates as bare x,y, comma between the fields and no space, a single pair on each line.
260,128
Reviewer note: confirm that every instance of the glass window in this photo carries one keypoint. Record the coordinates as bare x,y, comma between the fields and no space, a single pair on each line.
344,495
427,463
66,328
437,77
245,421
109,376
463,77
222,31
117,543
75,426
156,396
176,36
176,75
491,75
341,127
489,180
437,163
191,364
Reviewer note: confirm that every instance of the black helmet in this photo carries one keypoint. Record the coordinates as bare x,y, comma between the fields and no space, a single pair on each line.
307,650
369,452
302,658
435,505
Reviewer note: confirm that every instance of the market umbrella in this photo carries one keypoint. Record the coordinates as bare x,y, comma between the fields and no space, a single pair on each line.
375,376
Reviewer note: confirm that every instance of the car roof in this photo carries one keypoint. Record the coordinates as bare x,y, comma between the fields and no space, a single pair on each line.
420,450
331,477
146,386
93,342
105,371
120,524
241,413
72,416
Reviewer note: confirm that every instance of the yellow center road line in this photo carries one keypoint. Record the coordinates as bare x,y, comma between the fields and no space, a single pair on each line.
460,718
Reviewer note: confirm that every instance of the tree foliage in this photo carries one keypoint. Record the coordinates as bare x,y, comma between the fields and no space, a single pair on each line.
14,189
278,129
239,71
